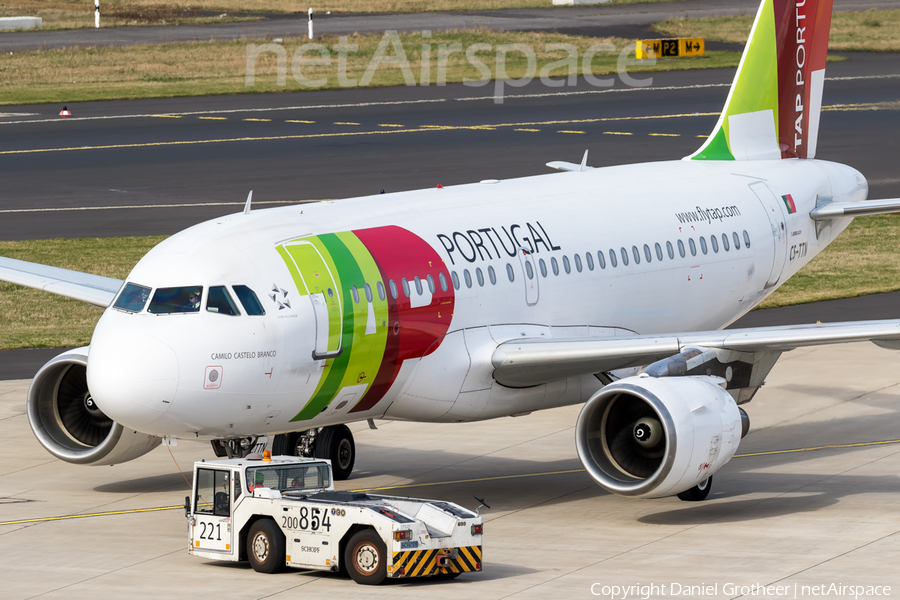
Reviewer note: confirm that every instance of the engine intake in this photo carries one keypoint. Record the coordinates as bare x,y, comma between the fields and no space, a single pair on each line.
650,437
68,422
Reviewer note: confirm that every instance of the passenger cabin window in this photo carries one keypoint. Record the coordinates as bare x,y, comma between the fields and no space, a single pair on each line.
725,242
612,258
368,290
601,259
746,239
380,287
393,287
647,254
455,279
554,265
737,240
443,279
249,300
624,253
133,297
510,273
492,276
681,248
670,251
693,246
430,280
589,259
176,300
419,288
566,265
480,276
715,243
578,266
543,267
636,254
468,277
405,283
355,293
703,246
659,254
219,301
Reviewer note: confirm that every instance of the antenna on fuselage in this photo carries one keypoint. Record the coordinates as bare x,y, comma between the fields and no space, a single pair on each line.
583,162
249,200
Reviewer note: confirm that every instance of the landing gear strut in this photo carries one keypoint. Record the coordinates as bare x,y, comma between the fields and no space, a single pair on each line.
233,447
334,443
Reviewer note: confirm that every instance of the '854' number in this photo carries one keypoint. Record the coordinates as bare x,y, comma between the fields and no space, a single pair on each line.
313,519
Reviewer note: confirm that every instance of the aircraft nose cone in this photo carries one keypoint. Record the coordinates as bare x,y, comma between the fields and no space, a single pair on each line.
132,376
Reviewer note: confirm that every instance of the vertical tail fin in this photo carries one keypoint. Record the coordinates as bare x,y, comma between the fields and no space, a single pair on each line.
773,108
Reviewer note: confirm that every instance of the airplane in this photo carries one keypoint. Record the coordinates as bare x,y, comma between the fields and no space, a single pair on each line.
608,287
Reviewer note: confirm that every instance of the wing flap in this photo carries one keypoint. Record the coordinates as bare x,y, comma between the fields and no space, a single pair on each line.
93,289
525,363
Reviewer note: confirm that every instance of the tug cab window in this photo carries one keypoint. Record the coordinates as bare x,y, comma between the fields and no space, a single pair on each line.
176,300
133,298
219,301
249,300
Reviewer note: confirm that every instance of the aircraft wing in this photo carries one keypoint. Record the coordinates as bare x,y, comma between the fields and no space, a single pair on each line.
529,362
834,210
93,289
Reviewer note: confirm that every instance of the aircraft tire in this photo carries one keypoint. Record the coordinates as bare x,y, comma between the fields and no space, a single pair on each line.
697,493
336,444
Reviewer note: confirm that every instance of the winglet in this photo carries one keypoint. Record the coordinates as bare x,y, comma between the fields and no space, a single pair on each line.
583,161
773,107
249,200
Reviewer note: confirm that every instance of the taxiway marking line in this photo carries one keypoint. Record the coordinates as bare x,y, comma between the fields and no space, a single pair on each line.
87,515
424,101
436,483
420,128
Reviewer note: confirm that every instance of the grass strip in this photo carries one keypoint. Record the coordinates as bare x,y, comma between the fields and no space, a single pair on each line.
863,260
220,67
858,31
31,318
75,14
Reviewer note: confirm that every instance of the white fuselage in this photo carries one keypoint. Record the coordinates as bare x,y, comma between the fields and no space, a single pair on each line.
151,372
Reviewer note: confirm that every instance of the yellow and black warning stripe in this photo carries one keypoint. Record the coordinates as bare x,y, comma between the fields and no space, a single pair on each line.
422,563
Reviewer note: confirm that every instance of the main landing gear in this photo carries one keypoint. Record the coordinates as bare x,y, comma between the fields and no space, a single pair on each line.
334,442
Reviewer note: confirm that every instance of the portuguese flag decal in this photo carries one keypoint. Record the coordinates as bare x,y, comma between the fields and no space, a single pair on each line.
789,204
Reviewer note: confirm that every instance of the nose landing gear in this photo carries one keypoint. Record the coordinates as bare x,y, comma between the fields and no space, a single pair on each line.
334,442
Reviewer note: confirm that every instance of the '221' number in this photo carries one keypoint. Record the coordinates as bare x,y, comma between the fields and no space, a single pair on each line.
206,533
304,521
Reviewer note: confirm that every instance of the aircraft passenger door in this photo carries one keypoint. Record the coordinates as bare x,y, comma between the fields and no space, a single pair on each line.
777,219
324,295
530,276
211,525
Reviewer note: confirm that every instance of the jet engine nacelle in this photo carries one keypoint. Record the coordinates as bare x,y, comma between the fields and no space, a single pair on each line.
654,437
69,424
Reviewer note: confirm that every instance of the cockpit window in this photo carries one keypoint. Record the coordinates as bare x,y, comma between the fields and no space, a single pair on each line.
176,300
249,300
133,297
219,301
